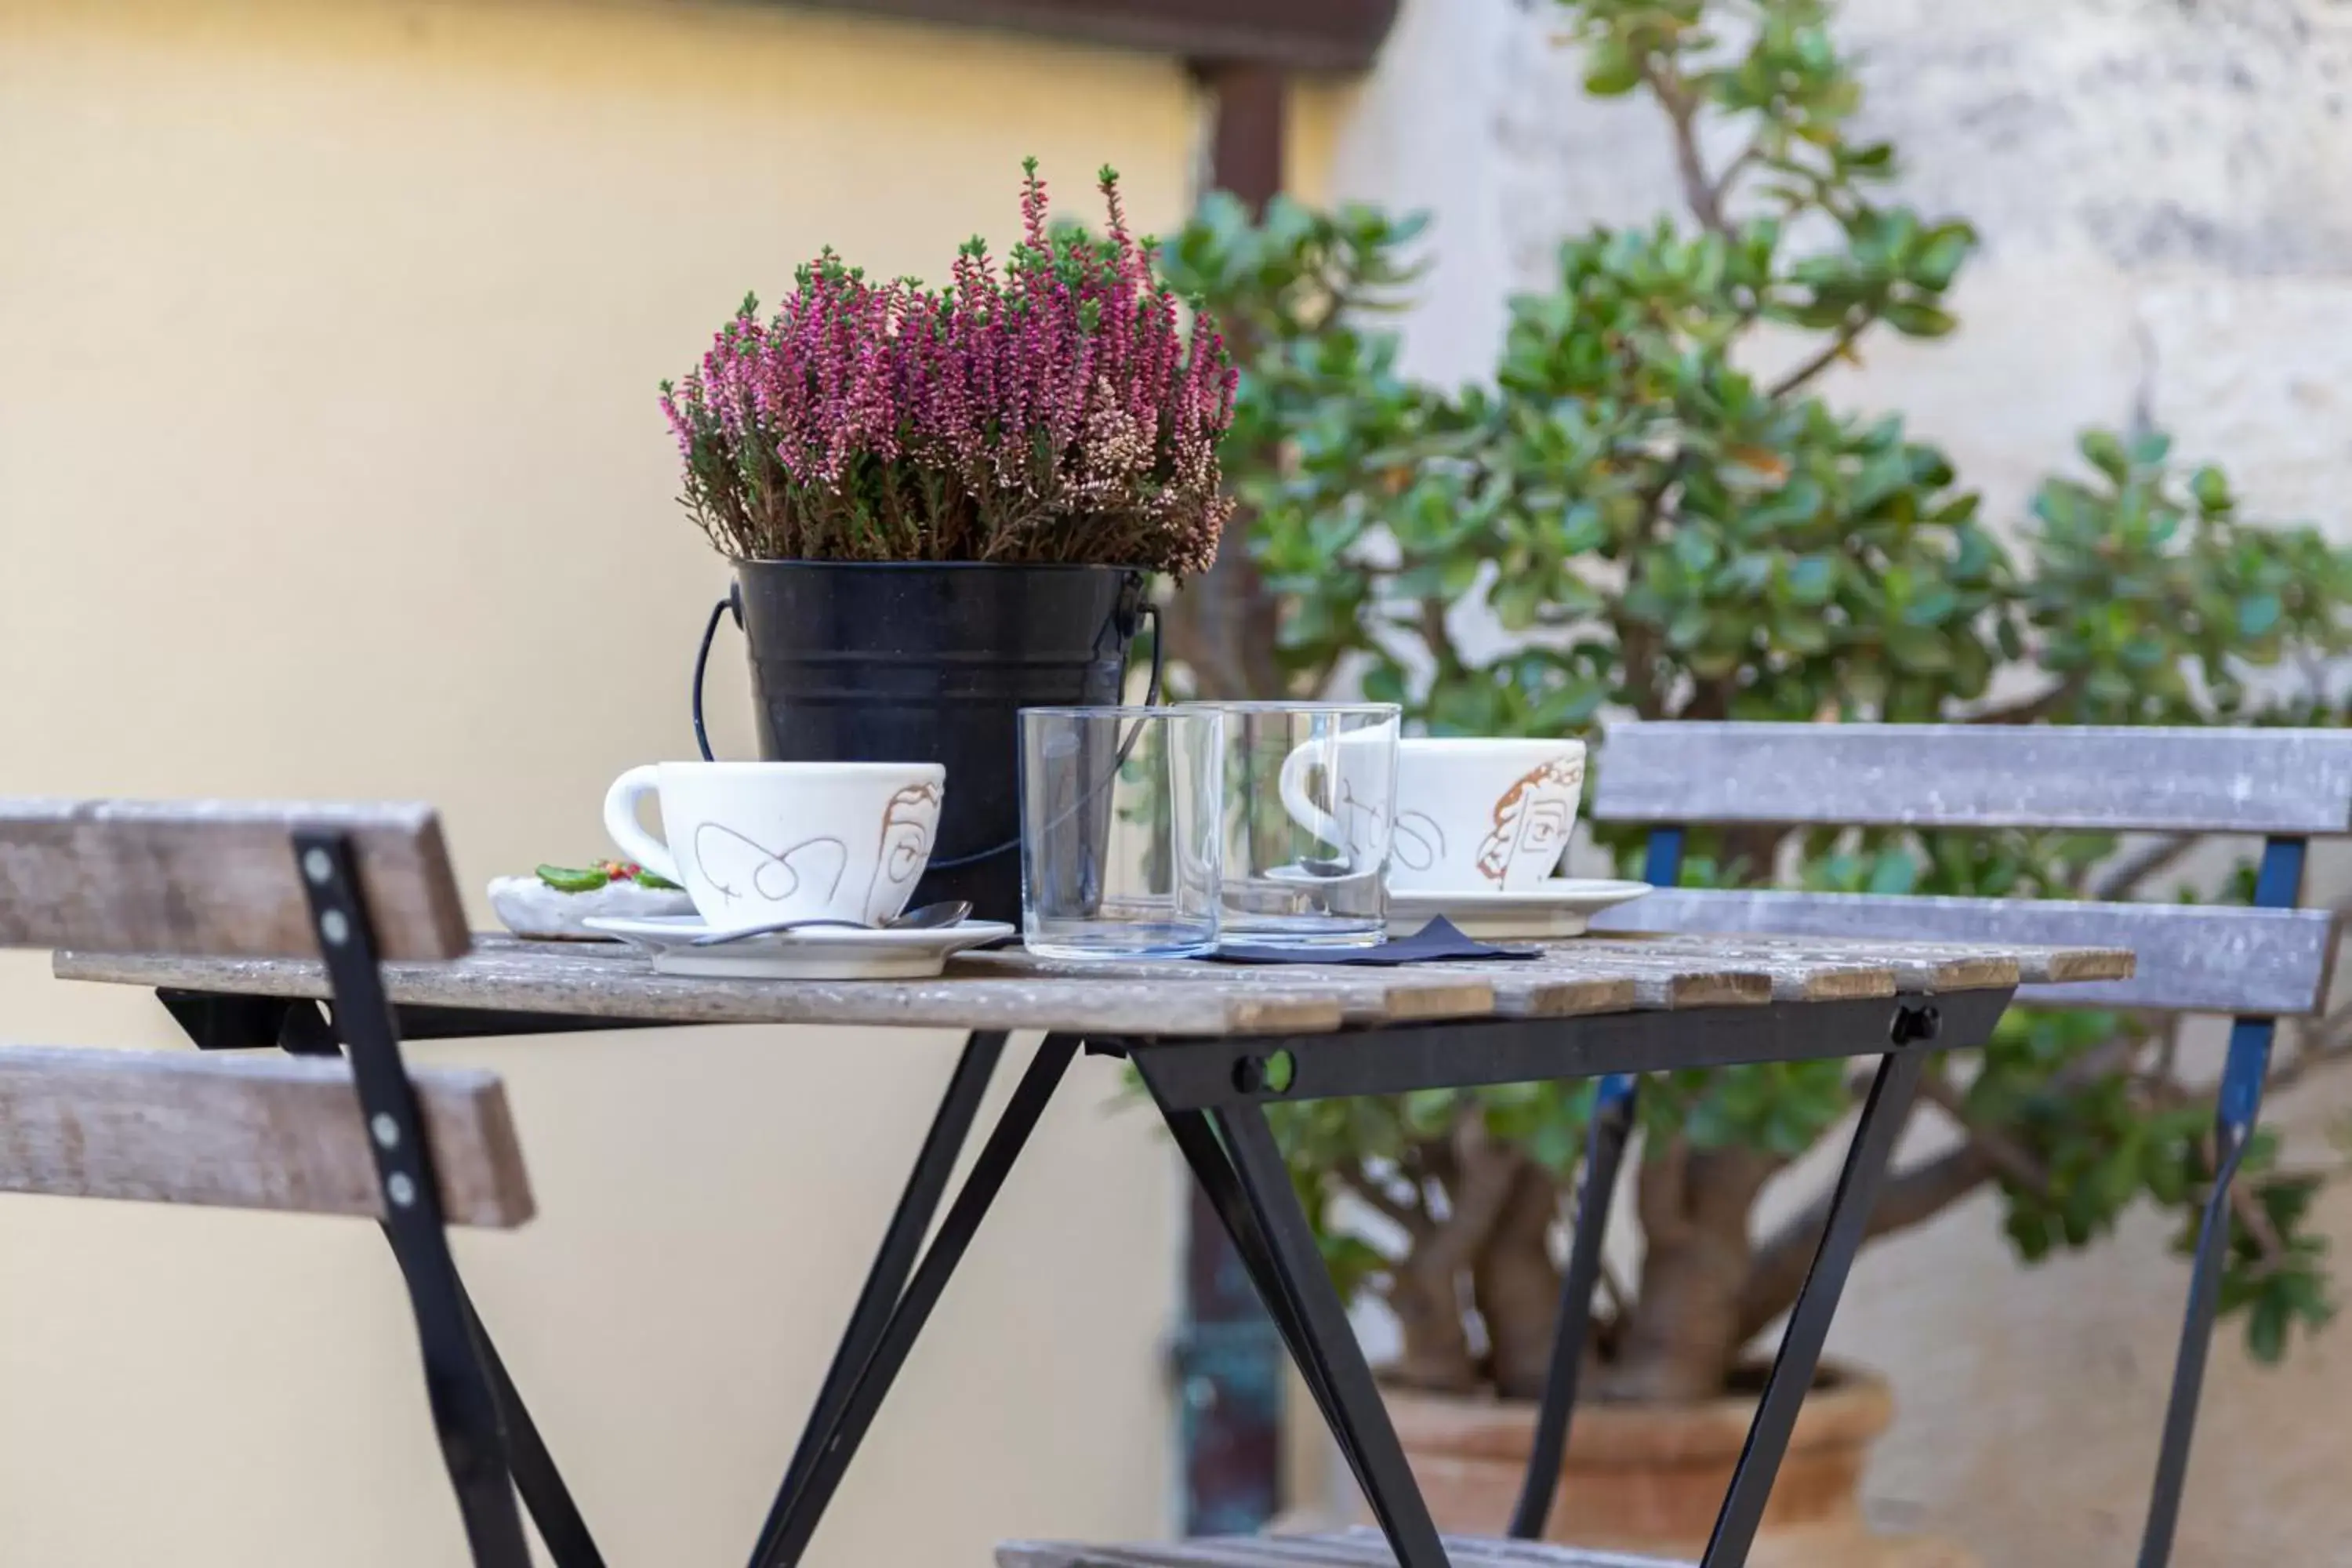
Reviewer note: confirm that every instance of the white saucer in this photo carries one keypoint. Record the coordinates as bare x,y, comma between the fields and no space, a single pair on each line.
817,952
1561,907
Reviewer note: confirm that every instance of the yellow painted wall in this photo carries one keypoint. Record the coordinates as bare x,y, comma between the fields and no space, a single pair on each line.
1318,112
330,466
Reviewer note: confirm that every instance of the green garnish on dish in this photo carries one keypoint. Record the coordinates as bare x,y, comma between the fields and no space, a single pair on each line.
602,874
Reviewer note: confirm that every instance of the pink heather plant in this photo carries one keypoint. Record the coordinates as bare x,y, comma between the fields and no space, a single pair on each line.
1063,410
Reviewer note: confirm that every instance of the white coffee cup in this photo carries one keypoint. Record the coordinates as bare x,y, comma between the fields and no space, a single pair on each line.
1483,816
1341,787
756,842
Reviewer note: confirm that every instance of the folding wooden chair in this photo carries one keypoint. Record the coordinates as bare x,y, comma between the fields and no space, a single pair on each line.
2260,963
2257,964
359,885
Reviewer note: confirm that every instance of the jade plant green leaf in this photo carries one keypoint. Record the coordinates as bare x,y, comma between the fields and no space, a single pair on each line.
1656,506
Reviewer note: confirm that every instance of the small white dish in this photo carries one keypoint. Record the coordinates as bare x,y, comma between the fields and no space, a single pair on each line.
816,953
537,912
1563,906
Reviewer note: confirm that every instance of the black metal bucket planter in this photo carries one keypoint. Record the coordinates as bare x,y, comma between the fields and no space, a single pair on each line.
928,662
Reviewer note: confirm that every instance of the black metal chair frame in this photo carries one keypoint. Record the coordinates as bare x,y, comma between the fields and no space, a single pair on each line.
487,1440
2278,885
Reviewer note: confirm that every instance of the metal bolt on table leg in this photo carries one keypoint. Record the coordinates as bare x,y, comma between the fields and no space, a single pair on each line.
1915,1026
1273,1073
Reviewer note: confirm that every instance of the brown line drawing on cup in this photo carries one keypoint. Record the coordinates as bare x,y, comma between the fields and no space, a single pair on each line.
773,876
1420,842
1533,816
1365,826
907,819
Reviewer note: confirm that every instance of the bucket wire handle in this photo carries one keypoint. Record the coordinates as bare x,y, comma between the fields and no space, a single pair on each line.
1150,699
734,602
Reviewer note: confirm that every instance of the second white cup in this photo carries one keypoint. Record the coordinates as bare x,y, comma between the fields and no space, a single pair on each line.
758,842
1483,816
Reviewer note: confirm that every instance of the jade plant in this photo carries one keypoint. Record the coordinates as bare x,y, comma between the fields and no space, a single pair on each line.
1664,517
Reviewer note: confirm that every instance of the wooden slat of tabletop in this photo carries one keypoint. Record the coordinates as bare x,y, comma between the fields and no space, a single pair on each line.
1791,975
2017,930
1558,983
1658,980
1550,990
1368,994
1917,966
1011,990
1804,971
2076,965
581,980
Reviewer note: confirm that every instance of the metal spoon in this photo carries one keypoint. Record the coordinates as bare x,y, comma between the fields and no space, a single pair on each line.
931,917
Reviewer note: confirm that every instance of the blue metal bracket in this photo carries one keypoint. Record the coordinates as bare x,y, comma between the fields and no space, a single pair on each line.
2278,885
1663,865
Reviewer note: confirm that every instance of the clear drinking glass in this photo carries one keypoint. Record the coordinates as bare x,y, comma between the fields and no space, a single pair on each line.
1310,807
1120,851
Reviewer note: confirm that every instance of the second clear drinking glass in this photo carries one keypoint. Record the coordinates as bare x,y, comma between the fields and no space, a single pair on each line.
1120,851
1310,794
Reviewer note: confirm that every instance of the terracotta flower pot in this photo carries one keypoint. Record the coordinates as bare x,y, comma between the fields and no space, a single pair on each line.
1649,1478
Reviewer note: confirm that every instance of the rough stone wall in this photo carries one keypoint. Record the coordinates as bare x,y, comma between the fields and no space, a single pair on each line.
2164,188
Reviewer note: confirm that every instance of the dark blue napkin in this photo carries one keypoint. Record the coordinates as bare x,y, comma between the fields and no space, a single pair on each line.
1435,942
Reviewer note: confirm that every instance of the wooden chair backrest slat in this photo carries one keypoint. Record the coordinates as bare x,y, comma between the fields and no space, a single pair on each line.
259,1133
1344,1549
2192,958
2278,782
214,877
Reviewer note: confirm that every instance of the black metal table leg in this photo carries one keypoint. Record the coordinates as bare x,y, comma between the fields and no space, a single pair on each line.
2234,1128
298,1027
902,1243
301,1031
1605,1150
805,1505
1297,1266
1215,1172
548,1500
1882,1115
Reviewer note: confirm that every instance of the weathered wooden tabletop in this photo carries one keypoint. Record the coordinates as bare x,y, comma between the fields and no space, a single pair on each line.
1012,990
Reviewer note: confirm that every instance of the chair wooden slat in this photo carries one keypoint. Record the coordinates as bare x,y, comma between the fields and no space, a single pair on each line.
262,1133
214,877
2191,958
1358,1548
1982,777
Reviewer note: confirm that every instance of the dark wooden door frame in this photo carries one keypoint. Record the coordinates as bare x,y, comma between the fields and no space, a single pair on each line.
1290,35
1249,100
1231,1368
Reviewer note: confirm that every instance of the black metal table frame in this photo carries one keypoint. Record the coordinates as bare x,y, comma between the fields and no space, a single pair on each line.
1213,1094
